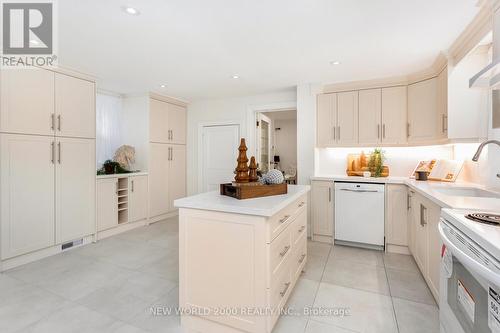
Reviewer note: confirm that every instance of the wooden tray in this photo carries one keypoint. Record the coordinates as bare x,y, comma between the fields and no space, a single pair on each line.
249,192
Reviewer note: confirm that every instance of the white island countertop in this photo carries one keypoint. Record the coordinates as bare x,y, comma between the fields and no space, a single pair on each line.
265,206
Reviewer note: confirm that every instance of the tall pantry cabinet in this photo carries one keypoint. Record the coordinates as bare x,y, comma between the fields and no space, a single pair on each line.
47,159
157,125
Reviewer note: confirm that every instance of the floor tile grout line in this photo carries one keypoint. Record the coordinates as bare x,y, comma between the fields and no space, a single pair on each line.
390,293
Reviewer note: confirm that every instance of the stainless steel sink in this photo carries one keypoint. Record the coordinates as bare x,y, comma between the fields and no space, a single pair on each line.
468,192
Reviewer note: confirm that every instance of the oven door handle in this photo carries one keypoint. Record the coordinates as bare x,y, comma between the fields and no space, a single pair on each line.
482,270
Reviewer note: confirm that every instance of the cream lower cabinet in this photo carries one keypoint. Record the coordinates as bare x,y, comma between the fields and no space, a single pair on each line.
322,211
27,194
121,199
137,198
426,249
396,216
234,262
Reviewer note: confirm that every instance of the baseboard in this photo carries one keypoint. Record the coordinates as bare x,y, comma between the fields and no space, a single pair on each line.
121,228
322,239
399,249
40,254
163,216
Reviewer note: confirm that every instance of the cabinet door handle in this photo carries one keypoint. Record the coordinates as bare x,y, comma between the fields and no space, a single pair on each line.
378,131
52,151
59,152
116,187
383,131
407,130
444,122
338,133
59,123
283,292
302,229
172,135
132,186
423,211
285,218
302,204
52,121
302,257
408,202
285,250
330,195
334,133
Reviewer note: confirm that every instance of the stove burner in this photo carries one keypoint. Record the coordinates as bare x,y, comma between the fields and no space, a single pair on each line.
484,218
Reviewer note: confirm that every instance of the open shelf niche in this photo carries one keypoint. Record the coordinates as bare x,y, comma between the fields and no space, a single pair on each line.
122,200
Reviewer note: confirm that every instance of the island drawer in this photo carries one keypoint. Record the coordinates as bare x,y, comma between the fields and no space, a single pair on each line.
280,289
299,257
299,227
278,222
279,251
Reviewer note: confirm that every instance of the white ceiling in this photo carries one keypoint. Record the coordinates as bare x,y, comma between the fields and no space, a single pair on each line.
195,46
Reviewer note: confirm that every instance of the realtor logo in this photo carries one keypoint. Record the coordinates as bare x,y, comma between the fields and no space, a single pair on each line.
28,32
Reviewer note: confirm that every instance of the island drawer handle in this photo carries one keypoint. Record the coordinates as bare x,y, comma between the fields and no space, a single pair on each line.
301,204
285,250
283,292
302,228
302,258
285,218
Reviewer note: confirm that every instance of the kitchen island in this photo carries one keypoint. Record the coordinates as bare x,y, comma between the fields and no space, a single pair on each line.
239,260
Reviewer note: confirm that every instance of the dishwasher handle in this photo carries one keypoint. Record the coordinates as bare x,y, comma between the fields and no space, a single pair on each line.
361,191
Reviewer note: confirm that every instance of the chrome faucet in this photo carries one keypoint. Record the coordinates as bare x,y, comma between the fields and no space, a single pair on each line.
480,149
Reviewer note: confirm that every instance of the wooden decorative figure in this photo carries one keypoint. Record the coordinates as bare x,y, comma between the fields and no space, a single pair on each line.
252,176
242,168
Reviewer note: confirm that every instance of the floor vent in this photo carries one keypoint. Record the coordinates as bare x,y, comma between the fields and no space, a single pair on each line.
68,245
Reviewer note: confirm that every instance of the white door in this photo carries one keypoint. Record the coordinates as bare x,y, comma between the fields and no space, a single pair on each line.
177,123
394,110
264,143
75,107
107,203
177,174
27,193
158,179
27,101
219,154
75,188
138,198
158,121
347,118
327,120
370,115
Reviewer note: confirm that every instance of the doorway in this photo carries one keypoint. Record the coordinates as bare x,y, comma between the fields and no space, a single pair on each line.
219,146
276,138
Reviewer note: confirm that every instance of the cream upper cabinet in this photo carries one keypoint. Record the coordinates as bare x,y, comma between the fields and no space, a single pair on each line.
370,115
75,188
347,118
26,194
394,110
159,159
442,104
326,120
159,130
177,174
396,215
27,101
107,203
322,210
177,124
138,198
75,107
422,111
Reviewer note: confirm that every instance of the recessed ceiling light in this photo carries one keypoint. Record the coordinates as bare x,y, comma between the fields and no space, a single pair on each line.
163,85
131,10
235,76
336,62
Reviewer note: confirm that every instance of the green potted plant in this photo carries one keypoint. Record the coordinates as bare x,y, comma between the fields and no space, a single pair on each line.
376,162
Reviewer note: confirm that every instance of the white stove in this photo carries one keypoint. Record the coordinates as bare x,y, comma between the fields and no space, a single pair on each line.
470,272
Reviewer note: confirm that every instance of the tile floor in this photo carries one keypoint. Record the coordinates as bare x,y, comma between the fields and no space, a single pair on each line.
112,285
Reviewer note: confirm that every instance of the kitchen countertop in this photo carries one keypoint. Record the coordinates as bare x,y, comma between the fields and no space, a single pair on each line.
117,175
430,190
265,206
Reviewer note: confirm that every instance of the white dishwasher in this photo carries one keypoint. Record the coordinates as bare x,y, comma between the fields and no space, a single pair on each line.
360,214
